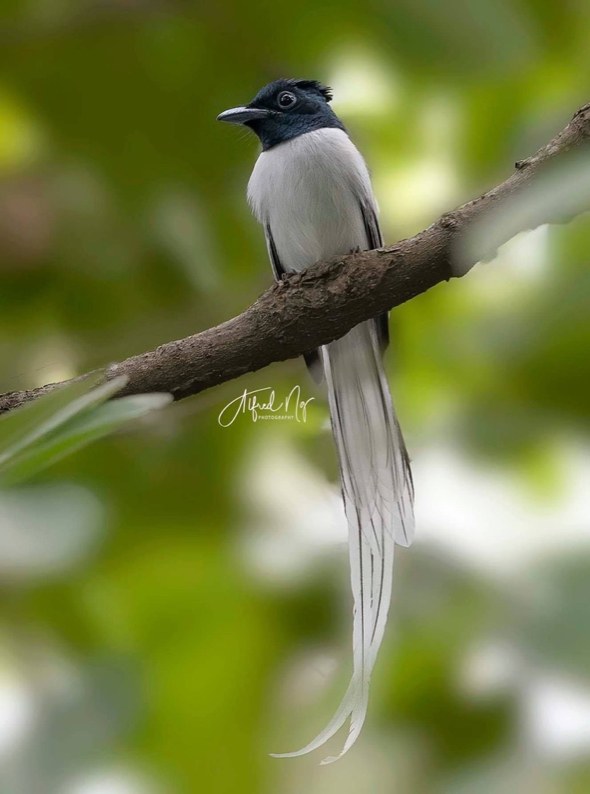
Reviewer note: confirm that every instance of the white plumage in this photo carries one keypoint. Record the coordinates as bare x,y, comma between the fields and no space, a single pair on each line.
309,193
308,189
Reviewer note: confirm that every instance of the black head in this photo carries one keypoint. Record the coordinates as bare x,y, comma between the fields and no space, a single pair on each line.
284,110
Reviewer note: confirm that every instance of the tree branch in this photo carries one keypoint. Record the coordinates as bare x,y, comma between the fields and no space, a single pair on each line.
322,303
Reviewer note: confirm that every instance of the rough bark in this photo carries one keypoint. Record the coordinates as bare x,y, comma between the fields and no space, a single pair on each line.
321,304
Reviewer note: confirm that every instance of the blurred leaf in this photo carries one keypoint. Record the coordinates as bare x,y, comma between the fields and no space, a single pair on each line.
82,429
25,425
45,530
80,715
554,624
561,192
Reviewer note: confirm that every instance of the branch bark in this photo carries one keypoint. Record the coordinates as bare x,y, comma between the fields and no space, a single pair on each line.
322,303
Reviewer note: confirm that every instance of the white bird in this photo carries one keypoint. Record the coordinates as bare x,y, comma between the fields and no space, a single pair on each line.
311,191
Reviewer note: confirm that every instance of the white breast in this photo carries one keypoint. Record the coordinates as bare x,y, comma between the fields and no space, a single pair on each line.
308,191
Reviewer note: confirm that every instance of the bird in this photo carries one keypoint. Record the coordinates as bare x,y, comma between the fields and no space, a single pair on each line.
311,191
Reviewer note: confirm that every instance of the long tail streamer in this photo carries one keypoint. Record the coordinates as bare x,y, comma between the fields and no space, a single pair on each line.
378,500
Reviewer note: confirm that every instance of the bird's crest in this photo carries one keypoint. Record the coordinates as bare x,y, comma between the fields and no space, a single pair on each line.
313,85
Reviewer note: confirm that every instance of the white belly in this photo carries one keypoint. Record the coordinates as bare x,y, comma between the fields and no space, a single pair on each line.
308,191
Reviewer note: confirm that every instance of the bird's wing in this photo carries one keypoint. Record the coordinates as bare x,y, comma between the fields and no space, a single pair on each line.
277,268
374,236
375,240
312,358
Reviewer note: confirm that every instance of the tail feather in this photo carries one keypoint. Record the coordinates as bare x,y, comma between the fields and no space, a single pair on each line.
378,495
337,721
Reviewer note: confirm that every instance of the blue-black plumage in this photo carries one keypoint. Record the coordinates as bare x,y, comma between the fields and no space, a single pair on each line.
285,109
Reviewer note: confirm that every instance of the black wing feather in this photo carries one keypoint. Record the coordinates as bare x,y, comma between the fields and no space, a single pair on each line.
273,254
312,359
375,240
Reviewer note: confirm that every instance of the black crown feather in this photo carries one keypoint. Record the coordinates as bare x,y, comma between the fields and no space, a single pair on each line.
314,85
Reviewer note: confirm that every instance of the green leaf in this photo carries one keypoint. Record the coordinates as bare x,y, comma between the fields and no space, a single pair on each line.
24,426
81,430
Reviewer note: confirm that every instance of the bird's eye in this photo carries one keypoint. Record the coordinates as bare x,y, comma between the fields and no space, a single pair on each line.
286,99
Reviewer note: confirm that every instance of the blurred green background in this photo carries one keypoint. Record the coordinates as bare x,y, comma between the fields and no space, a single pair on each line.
175,600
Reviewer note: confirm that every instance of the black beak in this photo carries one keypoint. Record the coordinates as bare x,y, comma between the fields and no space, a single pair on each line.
243,115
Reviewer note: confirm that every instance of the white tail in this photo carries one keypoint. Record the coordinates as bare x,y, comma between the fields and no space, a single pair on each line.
378,500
